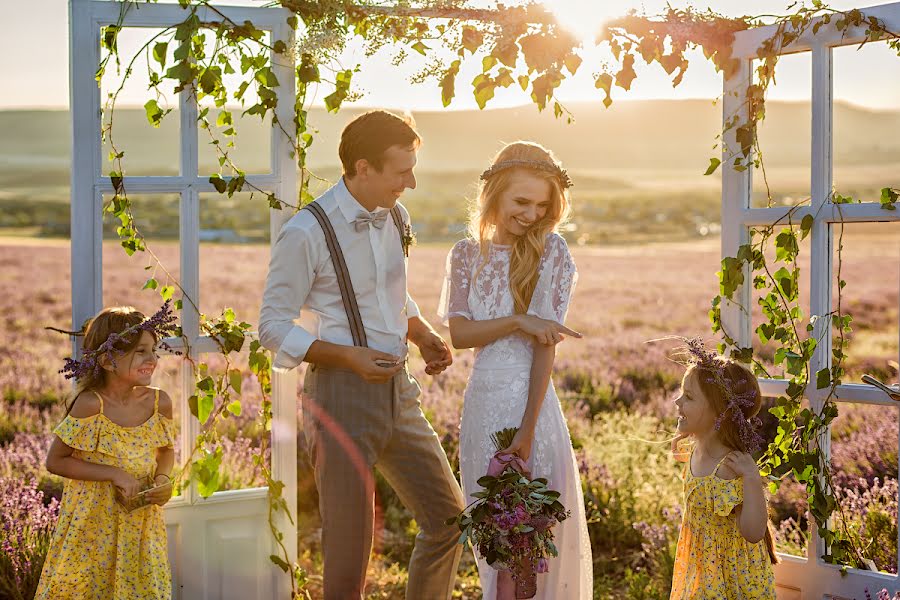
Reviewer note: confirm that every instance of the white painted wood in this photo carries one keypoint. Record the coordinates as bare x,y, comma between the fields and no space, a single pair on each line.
736,193
169,14
162,184
820,244
809,577
284,385
866,212
746,43
86,214
218,546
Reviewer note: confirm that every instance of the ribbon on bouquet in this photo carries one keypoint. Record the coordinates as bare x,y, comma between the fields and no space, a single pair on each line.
500,462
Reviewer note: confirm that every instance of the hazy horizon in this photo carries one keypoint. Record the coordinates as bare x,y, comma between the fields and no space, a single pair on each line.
869,77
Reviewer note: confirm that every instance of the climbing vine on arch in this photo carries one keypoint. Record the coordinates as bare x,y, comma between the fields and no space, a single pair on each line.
518,46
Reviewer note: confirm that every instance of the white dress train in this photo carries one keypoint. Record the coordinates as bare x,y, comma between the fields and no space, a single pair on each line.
477,288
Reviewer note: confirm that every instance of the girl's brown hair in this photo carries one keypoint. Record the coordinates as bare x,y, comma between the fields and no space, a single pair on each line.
740,381
526,251
109,321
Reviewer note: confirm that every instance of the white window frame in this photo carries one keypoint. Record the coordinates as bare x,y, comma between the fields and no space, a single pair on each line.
799,577
193,564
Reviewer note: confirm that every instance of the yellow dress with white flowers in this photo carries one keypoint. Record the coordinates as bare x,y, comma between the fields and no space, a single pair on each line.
99,551
713,561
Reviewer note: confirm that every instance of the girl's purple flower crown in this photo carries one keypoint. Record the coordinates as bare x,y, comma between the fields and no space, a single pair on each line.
549,167
713,367
162,323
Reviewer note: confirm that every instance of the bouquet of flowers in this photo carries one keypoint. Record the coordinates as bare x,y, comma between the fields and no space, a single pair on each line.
510,524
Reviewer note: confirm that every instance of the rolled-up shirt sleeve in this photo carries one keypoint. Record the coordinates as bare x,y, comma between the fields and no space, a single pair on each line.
291,271
412,309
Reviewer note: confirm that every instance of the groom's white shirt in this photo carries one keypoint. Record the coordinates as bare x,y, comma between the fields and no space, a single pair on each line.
302,283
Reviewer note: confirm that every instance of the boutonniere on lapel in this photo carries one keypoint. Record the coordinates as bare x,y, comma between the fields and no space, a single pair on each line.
407,239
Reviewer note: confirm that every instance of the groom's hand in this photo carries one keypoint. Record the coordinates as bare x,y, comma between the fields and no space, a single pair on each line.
365,363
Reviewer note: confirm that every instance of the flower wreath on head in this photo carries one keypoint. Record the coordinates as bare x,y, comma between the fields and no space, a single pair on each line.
162,324
539,165
694,353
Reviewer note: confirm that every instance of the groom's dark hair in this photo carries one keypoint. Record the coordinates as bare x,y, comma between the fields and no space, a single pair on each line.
370,134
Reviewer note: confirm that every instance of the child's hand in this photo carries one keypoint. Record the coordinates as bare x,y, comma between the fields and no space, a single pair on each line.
742,464
127,484
159,496
680,454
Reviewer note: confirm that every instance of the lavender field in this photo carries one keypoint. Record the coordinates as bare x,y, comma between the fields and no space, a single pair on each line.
616,391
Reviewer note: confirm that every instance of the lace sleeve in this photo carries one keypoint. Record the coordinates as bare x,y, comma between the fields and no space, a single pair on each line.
455,293
556,282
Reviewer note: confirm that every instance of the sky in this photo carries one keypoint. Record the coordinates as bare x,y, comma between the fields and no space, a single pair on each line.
34,63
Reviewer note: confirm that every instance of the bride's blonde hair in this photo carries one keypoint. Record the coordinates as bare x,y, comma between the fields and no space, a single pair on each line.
527,249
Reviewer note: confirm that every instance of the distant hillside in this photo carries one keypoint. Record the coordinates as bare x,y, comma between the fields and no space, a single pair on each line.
652,134
638,167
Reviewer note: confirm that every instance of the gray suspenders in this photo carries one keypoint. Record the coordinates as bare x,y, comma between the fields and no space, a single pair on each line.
348,296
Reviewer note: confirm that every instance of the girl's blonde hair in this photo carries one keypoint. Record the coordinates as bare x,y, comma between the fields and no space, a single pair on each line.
109,321
740,381
526,251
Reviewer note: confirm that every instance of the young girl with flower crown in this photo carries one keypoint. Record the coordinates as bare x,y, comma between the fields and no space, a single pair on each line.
725,548
117,432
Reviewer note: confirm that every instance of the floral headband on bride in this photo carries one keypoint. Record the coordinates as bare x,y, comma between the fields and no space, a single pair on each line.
539,165
161,324
712,366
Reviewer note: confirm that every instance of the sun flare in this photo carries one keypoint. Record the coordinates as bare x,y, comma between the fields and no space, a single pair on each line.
583,18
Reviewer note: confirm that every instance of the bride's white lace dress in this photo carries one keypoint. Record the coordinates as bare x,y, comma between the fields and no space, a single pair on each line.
497,393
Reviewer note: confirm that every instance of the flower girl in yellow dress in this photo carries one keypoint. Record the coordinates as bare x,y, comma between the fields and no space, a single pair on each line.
725,548
116,440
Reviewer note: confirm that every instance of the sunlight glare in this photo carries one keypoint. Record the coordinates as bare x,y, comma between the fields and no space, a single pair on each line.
583,18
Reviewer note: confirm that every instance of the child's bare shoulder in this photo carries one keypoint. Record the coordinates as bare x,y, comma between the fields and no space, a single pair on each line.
86,404
165,401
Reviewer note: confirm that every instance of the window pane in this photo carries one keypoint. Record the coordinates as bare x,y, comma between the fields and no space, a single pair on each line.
785,136
870,266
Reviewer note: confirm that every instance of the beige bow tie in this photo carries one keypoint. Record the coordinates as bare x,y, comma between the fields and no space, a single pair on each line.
363,220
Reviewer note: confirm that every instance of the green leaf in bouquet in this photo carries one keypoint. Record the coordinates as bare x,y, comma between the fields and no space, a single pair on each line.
552,494
486,481
481,494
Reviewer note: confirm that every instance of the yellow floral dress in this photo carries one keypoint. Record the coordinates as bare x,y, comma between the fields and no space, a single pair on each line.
99,551
713,561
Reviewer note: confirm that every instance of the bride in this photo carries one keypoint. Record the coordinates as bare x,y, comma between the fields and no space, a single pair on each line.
506,294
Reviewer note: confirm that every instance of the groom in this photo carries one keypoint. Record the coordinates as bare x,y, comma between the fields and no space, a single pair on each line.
340,265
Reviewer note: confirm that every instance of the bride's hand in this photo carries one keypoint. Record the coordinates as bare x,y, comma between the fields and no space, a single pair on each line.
545,331
521,444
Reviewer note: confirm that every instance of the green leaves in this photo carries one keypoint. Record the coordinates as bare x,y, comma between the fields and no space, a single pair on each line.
159,53
604,82
483,87
713,166
205,471
448,83
154,113
889,197
334,100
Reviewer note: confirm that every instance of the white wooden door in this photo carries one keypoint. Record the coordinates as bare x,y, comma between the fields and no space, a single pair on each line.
219,546
808,578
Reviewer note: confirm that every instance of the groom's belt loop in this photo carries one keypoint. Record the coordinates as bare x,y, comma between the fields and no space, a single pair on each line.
357,329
